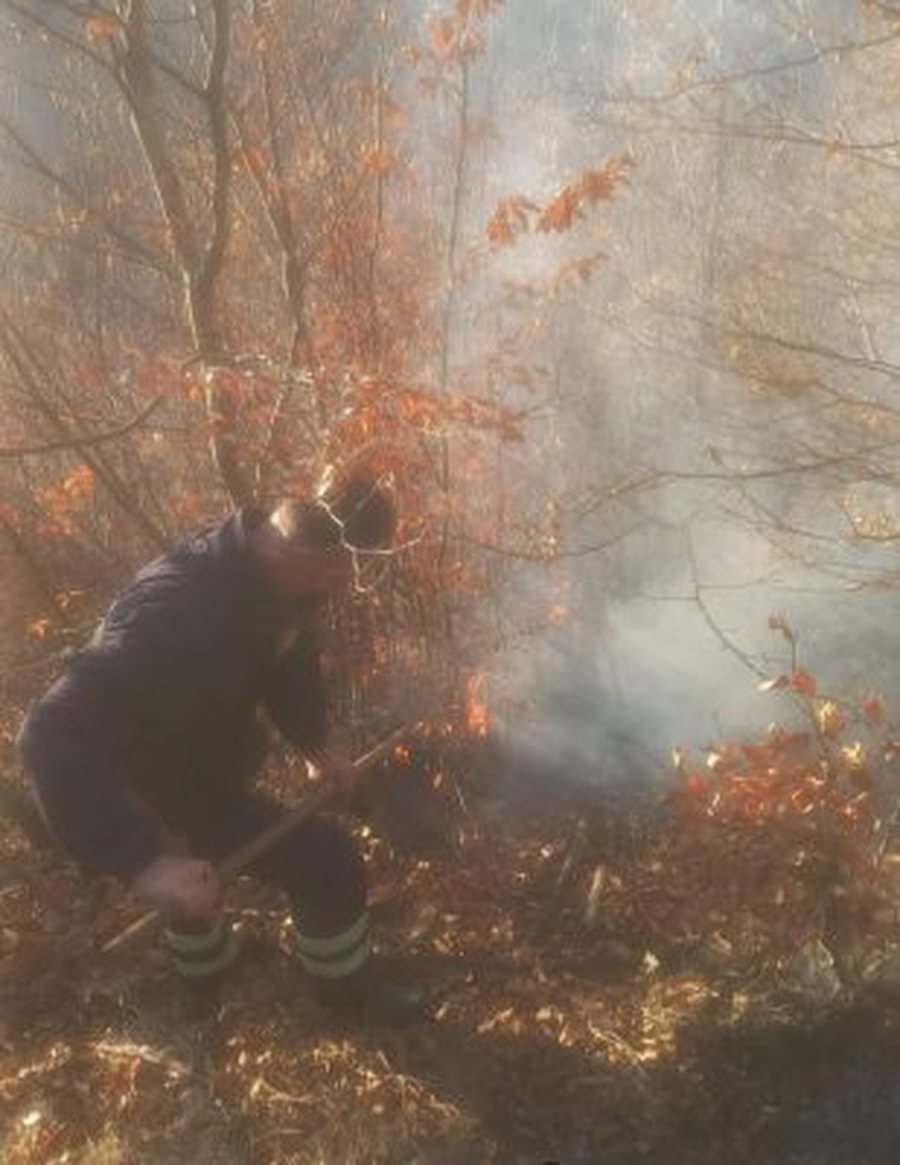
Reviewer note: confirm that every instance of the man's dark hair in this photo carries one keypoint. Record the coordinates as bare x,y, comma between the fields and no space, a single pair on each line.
363,512
357,513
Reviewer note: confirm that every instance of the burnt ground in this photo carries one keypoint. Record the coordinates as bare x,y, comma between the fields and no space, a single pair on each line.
560,1033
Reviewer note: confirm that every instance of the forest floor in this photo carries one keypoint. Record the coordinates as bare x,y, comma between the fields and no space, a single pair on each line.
567,1026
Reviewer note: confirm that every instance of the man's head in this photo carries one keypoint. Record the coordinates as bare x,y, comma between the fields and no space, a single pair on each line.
311,550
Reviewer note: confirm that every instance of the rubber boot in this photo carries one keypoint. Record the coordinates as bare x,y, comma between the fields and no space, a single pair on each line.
372,998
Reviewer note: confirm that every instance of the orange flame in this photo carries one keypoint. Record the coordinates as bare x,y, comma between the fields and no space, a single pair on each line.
477,718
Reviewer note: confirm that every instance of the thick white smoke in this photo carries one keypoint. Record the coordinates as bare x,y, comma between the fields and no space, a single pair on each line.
706,358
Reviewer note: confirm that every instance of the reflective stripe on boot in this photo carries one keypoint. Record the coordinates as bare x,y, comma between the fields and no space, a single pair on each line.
336,956
199,953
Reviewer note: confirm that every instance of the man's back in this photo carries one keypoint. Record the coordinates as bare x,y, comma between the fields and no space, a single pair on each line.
160,708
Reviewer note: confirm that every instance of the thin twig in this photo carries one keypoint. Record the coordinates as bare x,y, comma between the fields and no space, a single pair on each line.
78,443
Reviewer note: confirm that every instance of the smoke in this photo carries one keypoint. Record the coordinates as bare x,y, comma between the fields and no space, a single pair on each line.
725,355
709,411
607,700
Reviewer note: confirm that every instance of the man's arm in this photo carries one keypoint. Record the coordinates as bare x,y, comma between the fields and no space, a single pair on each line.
295,696
296,700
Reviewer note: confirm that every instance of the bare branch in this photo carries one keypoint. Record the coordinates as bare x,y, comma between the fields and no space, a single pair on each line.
130,244
722,80
27,366
80,443
707,616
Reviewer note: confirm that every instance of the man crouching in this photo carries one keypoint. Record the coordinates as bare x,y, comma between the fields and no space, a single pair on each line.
143,751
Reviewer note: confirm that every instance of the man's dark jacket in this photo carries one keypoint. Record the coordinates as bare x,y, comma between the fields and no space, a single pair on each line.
153,725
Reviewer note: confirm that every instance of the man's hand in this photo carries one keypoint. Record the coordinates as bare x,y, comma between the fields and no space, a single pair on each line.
187,888
338,769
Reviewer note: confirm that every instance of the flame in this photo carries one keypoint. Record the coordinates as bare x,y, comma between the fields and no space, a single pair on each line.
477,717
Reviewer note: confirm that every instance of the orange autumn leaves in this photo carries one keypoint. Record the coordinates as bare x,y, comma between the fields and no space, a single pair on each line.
63,499
102,26
828,714
793,826
377,413
517,215
810,788
452,37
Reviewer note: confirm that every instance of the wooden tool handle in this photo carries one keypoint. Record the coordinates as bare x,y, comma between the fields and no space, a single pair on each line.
319,799
240,858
